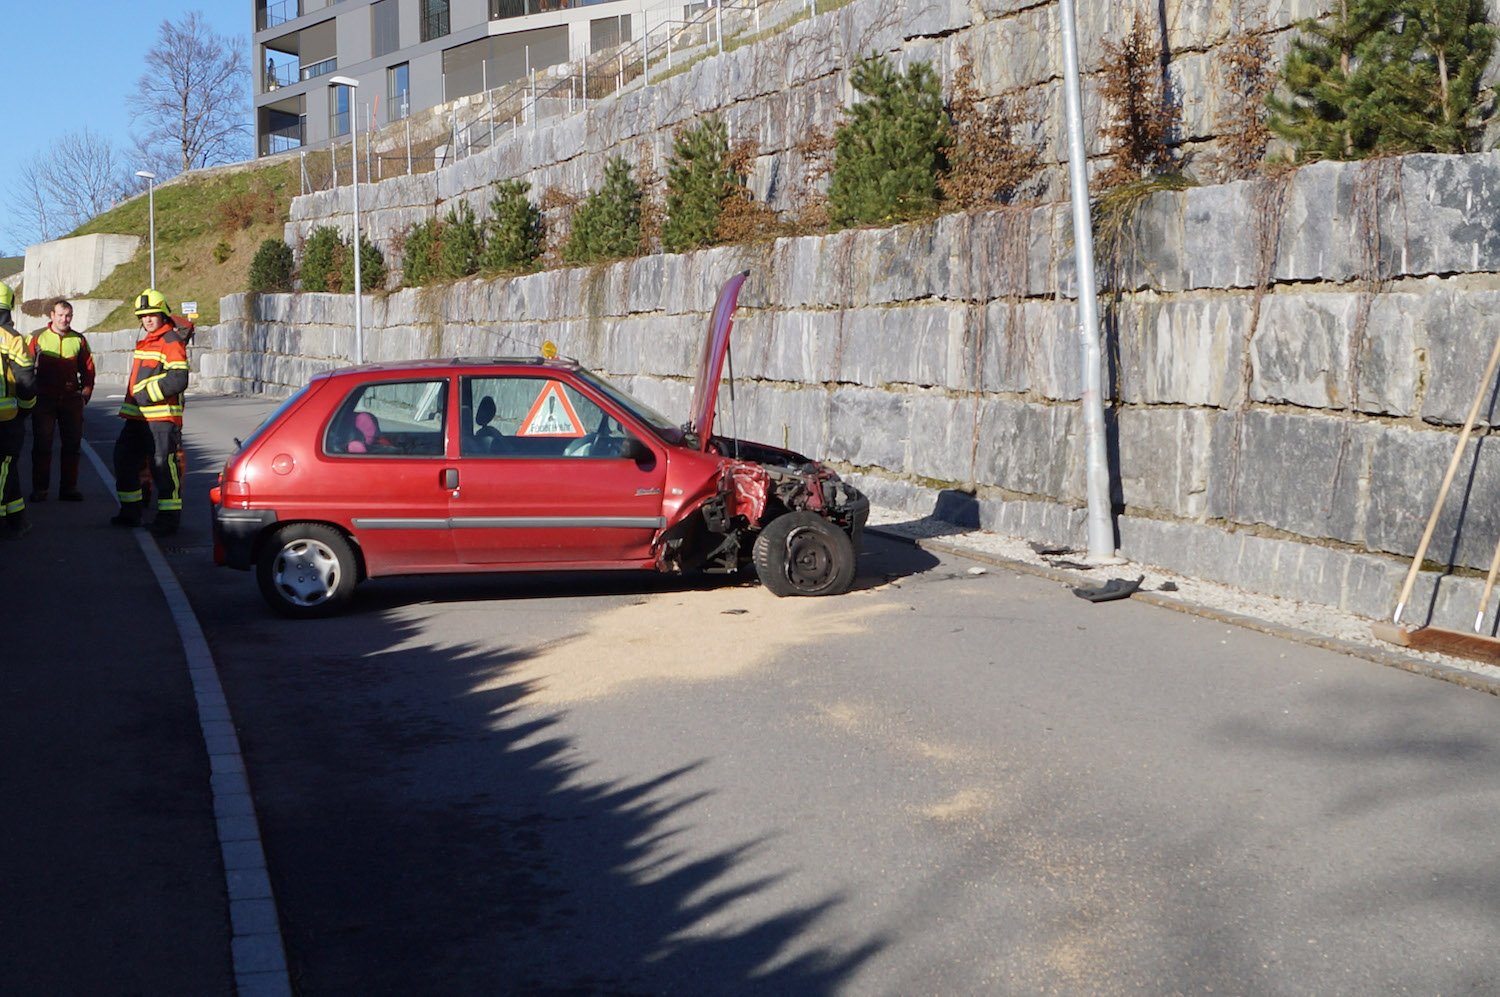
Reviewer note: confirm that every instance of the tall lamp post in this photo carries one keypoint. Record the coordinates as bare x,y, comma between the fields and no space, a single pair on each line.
150,179
359,330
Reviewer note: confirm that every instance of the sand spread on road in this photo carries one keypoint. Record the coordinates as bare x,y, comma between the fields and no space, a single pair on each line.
686,637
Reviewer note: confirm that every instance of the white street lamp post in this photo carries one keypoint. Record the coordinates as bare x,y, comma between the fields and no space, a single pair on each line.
359,330
150,179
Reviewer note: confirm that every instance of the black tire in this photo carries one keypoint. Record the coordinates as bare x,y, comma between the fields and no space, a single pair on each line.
801,553
306,570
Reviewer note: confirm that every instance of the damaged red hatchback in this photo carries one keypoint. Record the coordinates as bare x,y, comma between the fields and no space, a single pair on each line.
526,464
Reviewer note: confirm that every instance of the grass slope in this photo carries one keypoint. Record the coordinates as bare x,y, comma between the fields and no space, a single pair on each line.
207,230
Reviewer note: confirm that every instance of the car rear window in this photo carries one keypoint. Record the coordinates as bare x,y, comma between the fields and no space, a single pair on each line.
387,418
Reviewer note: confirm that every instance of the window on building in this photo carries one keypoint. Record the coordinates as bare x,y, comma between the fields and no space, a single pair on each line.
398,91
607,32
338,111
434,19
385,36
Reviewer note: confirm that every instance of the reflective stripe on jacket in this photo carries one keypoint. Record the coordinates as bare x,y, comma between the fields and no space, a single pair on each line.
158,376
18,381
64,363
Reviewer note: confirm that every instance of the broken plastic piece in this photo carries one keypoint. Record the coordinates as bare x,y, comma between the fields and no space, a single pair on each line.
1115,588
1048,550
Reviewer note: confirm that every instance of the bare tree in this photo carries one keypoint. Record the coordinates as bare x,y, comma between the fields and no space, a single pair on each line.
28,215
194,98
84,176
78,177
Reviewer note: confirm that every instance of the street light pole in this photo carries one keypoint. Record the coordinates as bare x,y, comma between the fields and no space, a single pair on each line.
359,299
1101,534
150,179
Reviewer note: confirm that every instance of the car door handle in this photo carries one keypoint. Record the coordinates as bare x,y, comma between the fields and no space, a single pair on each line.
450,478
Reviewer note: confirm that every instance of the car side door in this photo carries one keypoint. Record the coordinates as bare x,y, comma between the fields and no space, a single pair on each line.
382,462
552,476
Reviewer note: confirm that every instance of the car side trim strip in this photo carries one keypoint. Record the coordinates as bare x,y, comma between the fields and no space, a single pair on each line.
559,522
517,523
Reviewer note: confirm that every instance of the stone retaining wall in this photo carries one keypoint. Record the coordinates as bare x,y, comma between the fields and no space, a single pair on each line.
781,89
1287,400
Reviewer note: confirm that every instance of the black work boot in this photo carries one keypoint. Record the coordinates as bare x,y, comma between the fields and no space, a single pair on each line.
16,526
165,524
40,495
129,514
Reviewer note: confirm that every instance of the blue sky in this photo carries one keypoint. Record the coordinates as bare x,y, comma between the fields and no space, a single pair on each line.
72,63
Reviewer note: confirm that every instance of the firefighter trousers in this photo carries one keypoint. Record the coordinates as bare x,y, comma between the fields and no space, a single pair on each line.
12,436
56,416
159,445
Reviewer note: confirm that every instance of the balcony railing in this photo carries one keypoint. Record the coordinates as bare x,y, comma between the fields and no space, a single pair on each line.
282,74
280,12
520,8
282,139
320,68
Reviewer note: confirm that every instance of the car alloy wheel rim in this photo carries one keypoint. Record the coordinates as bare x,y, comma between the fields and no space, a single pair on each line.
809,562
307,573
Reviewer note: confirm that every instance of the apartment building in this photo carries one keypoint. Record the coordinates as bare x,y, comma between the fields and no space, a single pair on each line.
408,55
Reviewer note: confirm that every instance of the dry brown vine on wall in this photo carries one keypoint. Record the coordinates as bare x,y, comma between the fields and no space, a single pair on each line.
557,207
1144,120
741,217
1245,61
987,164
816,152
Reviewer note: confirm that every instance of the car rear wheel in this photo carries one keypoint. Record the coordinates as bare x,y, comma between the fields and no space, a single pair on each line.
801,553
306,570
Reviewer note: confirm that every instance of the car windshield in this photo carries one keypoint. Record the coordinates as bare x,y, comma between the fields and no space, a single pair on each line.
271,419
658,423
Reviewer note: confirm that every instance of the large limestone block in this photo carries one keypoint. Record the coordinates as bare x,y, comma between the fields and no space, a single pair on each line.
1184,351
1406,468
1024,447
1458,339
1441,214
1304,474
74,267
943,433
1163,460
868,428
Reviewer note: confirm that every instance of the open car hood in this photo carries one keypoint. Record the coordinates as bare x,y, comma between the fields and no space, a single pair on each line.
711,365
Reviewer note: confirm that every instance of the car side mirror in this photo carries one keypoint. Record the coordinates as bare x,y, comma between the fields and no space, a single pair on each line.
637,451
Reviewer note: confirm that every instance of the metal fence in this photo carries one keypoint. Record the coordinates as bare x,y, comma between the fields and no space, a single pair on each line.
667,45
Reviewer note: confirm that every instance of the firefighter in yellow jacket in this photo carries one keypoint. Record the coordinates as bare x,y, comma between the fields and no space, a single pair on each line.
17,395
153,416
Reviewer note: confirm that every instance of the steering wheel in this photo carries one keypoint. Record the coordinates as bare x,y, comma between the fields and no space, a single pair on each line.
588,445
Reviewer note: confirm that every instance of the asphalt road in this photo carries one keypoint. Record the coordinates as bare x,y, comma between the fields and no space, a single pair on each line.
944,782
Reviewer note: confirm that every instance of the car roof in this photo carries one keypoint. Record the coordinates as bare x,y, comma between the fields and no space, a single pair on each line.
447,363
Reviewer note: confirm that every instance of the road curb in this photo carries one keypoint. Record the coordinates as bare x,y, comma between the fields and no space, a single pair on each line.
1390,659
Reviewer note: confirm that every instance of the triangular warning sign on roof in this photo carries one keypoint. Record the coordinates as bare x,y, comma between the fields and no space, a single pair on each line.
551,415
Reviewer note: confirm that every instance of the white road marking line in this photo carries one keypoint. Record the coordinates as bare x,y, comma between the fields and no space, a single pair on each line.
259,955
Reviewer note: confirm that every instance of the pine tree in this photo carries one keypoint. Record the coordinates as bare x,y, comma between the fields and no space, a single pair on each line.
1383,76
607,225
515,235
891,151
419,260
698,181
462,243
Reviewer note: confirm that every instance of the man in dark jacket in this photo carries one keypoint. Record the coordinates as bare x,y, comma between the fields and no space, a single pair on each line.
64,384
17,394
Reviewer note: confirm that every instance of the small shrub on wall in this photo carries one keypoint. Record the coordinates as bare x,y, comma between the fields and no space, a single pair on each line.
891,151
515,236
607,225
371,265
271,268
461,245
698,182
419,262
322,254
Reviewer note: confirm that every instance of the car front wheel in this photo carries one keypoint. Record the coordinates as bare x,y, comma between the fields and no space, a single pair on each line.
801,553
306,570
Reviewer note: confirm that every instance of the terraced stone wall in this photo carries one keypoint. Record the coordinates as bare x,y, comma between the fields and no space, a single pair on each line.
1290,361
783,88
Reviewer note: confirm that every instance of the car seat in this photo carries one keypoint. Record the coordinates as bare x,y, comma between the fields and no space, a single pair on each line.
490,438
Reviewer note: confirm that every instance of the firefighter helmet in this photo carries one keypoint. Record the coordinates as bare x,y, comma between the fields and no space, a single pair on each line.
151,302
7,297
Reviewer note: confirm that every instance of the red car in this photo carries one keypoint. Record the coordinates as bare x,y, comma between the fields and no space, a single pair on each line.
524,464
